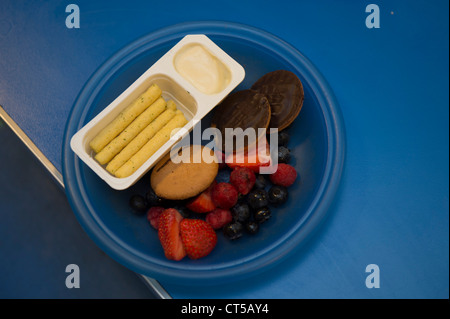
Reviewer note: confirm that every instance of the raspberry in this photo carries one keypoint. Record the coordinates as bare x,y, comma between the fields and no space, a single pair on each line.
224,195
153,215
219,217
285,175
243,178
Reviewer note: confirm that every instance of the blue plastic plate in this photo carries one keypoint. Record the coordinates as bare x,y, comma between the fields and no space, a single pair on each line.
317,143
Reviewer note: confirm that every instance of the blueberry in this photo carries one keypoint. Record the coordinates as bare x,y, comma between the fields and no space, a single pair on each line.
283,138
233,230
257,198
183,210
240,212
261,182
284,154
153,199
138,203
252,227
262,214
278,195
242,198
223,175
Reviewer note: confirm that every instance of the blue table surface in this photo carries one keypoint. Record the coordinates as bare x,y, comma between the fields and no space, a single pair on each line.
392,208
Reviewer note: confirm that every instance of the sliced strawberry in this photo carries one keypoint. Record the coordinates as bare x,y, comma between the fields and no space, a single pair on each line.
250,158
169,234
202,203
198,237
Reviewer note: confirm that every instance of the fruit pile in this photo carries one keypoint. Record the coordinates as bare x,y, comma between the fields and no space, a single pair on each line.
244,200
234,205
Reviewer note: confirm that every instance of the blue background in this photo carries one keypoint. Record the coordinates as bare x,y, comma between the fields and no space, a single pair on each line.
391,83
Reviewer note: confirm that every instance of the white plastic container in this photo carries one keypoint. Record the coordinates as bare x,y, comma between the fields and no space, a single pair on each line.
191,101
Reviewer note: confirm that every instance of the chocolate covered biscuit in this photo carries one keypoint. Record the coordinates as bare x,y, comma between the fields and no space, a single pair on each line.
284,91
242,109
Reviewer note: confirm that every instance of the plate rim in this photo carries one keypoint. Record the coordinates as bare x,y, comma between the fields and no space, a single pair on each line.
269,256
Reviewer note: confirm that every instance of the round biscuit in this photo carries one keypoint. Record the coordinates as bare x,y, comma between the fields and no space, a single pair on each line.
192,175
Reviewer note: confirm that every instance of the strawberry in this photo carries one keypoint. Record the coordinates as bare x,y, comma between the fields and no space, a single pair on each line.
251,159
198,237
202,203
169,234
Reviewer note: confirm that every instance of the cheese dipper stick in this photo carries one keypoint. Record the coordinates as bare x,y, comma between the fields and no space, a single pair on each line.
160,138
125,118
171,105
135,127
142,138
